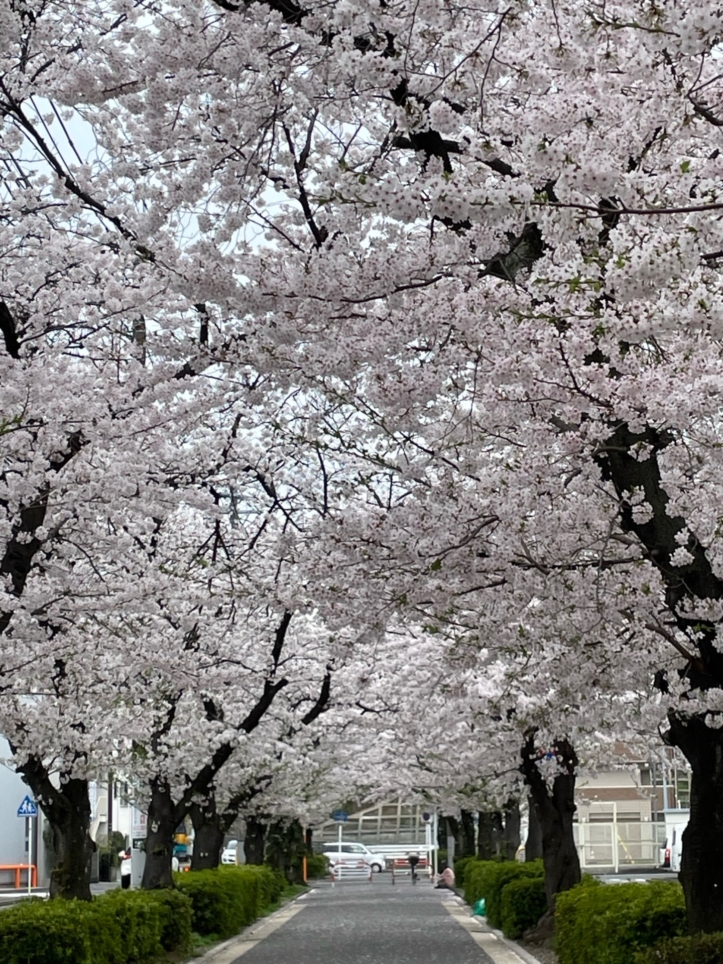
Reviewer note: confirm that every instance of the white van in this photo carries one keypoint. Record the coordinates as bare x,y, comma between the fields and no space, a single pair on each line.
348,853
672,849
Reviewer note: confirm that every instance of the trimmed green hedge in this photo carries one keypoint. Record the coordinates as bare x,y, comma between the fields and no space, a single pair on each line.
176,912
699,949
137,926
474,879
227,899
460,869
522,904
52,932
136,916
121,927
497,877
608,923
272,883
487,878
316,866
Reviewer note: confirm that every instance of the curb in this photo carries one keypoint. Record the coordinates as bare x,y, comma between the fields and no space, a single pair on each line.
244,936
521,952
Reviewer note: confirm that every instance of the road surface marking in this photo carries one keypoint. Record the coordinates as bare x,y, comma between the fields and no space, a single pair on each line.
238,946
495,949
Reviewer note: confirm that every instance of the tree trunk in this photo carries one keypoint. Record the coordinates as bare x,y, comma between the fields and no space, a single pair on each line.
533,844
255,842
443,832
489,834
701,869
555,807
468,834
686,584
163,818
208,833
455,831
511,833
285,849
67,810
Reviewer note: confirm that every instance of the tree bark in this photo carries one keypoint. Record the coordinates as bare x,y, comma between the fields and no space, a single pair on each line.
701,869
511,833
255,842
67,810
533,844
208,833
285,848
555,810
489,834
163,818
455,831
468,834
662,533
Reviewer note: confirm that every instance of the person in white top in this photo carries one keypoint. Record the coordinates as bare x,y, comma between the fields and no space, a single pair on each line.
125,868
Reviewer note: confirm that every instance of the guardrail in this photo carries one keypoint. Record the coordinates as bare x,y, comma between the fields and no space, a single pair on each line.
17,868
341,870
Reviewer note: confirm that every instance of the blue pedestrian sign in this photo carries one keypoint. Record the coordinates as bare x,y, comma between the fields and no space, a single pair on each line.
340,816
28,808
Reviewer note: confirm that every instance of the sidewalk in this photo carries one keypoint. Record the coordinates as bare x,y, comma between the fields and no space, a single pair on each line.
362,923
12,895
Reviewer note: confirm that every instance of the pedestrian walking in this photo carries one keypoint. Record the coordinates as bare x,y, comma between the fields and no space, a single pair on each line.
125,868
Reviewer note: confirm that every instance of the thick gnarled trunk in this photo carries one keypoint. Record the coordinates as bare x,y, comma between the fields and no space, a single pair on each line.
208,833
163,818
555,806
533,844
285,849
67,810
511,831
255,842
207,843
663,533
701,869
489,834
468,833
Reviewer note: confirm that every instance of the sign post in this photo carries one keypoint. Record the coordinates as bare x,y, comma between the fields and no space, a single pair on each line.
29,809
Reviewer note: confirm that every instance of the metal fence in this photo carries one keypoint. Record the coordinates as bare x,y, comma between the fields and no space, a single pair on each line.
619,844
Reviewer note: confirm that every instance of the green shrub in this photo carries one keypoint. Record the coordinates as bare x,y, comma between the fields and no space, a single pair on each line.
176,919
607,923
522,904
121,927
137,914
224,899
699,949
474,875
316,866
460,867
272,883
45,932
497,876
104,928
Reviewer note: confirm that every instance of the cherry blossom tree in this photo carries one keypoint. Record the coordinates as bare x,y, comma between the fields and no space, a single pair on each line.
488,234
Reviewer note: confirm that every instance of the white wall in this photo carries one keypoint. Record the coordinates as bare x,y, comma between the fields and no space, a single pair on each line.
12,828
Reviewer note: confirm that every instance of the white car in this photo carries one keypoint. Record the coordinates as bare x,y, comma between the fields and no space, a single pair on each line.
351,853
229,853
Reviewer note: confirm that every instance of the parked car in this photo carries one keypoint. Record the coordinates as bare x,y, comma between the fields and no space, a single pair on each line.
230,853
672,850
350,853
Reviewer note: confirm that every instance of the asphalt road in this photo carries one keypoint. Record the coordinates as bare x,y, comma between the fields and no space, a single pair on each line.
362,923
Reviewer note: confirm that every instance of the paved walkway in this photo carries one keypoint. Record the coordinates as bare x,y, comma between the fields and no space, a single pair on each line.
362,923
